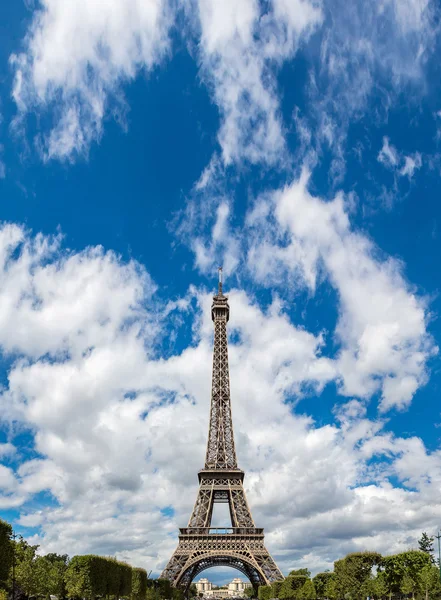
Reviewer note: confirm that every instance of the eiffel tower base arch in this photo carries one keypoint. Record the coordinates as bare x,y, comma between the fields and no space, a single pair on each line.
208,561
202,548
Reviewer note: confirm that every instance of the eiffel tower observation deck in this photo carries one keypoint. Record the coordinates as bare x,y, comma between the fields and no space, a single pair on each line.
240,546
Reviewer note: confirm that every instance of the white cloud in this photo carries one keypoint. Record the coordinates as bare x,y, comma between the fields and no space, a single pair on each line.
398,162
75,56
384,344
366,47
411,164
388,155
238,46
6,449
222,249
75,59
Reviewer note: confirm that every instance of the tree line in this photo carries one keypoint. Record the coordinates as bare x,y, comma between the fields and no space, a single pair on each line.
25,574
360,575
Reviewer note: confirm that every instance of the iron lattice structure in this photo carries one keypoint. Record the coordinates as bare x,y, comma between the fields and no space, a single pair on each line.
240,546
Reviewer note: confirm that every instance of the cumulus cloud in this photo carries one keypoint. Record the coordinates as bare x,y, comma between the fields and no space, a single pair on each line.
381,329
120,432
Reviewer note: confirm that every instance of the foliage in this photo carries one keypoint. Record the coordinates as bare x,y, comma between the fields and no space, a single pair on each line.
275,589
425,544
331,588
28,573
139,584
5,552
250,592
375,587
408,585
264,592
125,579
291,585
161,589
164,588
38,575
321,582
53,568
84,578
305,572
192,591
406,564
307,591
49,576
177,594
150,593
352,573
429,583
89,576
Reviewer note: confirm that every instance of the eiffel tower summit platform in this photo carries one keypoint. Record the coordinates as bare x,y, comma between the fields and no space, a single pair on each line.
240,546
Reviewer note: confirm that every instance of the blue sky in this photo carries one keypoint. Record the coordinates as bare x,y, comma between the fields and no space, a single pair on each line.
296,143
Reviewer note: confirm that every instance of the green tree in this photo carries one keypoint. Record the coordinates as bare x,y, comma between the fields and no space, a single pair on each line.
26,576
5,552
264,592
80,580
295,572
429,583
177,594
352,573
291,585
408,585
164,588
378,588
250,592
331,588
90,576
307,591
124,589
193,592
321,580
406,564
425,544
54,567
275,589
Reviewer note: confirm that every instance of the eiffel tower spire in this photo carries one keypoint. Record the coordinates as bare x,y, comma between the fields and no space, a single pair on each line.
240,546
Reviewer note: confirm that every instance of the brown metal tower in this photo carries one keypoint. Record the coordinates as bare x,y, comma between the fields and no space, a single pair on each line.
240,546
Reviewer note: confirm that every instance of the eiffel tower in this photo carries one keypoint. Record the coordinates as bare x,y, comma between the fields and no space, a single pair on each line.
240,546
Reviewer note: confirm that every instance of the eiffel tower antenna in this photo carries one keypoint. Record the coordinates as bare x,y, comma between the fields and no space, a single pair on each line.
240,546
219,270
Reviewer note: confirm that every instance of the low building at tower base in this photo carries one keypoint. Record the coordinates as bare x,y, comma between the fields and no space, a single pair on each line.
235,589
